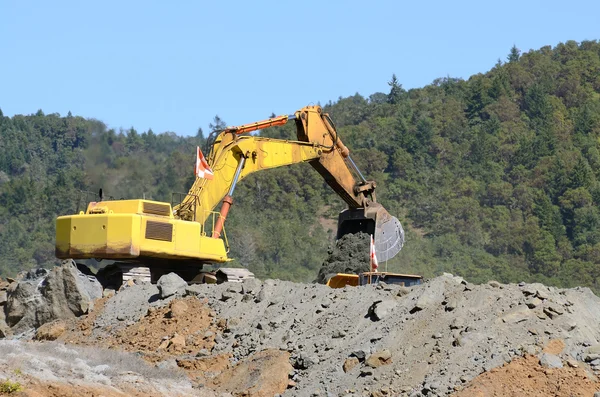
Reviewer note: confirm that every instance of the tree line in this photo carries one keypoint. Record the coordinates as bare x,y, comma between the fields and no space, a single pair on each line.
493,177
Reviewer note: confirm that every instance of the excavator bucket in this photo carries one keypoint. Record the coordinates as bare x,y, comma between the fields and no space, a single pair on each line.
386,229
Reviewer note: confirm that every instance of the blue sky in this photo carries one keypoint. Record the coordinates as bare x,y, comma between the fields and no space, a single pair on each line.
172,66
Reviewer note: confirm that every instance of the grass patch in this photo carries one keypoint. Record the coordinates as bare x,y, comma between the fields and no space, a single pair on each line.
8,387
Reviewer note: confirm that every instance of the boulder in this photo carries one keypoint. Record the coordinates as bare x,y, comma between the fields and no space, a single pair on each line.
51,331
262,374
550,361
42,296
170,284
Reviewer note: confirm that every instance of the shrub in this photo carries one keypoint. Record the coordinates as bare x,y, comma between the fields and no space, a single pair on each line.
9,387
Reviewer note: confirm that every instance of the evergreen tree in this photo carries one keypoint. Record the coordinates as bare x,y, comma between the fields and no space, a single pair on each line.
396,90
514,54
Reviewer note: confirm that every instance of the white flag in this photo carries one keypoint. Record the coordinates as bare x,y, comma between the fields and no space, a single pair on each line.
374,264
202,168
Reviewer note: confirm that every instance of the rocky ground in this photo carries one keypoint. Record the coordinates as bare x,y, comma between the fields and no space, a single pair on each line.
263,338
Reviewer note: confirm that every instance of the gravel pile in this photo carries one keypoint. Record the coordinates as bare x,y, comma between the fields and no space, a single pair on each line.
425,340
381,339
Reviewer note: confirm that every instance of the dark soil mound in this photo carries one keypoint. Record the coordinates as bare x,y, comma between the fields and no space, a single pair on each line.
350,255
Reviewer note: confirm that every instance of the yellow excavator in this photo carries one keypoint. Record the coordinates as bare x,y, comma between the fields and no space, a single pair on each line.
159,237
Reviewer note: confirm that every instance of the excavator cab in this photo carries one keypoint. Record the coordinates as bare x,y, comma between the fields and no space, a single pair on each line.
386,229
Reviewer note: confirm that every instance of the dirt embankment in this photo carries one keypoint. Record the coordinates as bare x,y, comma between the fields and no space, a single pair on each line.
265,338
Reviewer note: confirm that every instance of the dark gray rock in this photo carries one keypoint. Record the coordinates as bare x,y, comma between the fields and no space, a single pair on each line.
170,284
305,361
42,296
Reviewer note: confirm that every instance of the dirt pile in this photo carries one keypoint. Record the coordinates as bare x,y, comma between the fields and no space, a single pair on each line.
349,255
272,337
527,378
439,335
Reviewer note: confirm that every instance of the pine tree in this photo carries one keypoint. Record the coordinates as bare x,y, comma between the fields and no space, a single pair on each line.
396,90
514,54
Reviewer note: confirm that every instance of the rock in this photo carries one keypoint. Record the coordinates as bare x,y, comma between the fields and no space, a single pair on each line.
429,297
528,289
553,311
360,354
534,302
572,363
164,344
591,357
177,341
170,284
203,353
550,361
250,285
226,295
594,349
170,364
377,359
542,293
262,374
457,323
517,315
403,291
51,331
451,304
338,334
178,309
350,363
261,325
261,296
380,309
42,296
494,284
306,361
367,371
3,298
5,331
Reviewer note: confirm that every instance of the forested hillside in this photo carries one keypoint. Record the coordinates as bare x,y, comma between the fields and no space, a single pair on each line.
494,177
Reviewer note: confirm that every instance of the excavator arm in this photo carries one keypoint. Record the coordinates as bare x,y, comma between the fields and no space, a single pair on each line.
234,156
